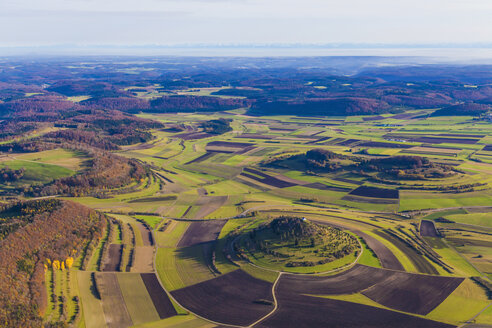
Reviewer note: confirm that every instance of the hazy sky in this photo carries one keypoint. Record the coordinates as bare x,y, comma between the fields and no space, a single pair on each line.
135,22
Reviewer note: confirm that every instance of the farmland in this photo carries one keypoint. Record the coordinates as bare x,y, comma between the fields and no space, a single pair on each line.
212,205
41,167
195,226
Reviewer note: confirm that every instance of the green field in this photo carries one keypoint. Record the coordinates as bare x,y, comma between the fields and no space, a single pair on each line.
36,173
179,268
92,308
152,221
187,321
479,219
466,301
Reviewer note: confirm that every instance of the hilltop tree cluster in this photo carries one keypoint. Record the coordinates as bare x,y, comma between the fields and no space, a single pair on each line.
219,126
394,167
323,159
407,167
291,234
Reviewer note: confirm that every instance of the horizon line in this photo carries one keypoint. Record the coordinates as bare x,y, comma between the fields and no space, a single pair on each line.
294,45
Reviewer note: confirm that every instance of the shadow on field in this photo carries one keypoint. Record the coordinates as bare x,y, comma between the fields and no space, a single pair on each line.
200,253
93,288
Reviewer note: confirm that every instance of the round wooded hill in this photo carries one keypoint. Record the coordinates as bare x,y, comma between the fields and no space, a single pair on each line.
298,245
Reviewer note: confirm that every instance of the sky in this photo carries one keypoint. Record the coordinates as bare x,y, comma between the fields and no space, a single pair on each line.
171,22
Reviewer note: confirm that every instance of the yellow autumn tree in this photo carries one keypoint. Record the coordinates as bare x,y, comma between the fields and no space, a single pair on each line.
69,262
62,266
56,265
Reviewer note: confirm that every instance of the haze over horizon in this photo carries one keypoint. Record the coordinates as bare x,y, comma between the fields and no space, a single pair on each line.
171,22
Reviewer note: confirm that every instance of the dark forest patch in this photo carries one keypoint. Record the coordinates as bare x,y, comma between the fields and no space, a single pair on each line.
320,106
464,109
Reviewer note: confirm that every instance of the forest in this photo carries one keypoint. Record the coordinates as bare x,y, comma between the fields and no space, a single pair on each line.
44,234
332,86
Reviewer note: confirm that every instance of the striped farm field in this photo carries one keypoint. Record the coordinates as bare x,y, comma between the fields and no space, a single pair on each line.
137,300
